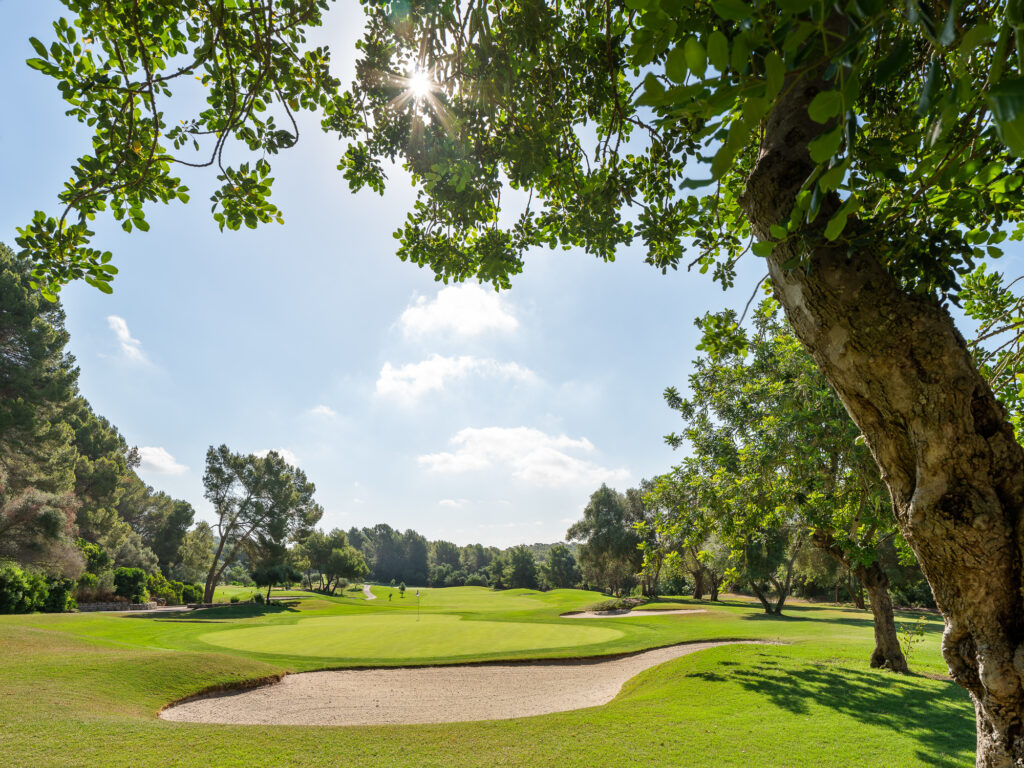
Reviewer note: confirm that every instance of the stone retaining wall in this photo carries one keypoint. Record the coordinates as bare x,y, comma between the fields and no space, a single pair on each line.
117,606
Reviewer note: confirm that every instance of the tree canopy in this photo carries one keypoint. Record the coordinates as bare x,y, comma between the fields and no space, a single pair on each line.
261,503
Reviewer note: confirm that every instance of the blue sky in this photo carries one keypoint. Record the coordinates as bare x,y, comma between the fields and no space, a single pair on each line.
465,414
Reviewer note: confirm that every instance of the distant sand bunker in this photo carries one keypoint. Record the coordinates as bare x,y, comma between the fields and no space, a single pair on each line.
627,614
429,694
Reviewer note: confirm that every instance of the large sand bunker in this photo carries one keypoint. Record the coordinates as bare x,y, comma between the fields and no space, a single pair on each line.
429,694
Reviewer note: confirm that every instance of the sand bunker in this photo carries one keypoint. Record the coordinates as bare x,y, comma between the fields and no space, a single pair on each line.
627,614
429,694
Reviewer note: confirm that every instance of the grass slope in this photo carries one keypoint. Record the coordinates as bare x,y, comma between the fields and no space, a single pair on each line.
83,690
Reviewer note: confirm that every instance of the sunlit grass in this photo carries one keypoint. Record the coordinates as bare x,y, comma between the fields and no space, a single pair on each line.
85,689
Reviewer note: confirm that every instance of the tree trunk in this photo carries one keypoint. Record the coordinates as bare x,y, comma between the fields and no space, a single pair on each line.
698,584
213,574
713,583
887,653
941,440
761,595
857,592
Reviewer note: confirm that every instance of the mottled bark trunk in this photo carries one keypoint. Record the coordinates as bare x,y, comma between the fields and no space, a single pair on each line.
945,449
887,653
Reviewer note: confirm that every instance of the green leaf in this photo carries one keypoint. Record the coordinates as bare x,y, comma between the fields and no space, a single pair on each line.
833,177
975,36
763,249
948,34
675,65
1007,98
40,64
824,106
774,74
826,145
931,85
837,223
892,63
740,56
718,51
696,56
732,10
696,183
40,48
778,231
1011,132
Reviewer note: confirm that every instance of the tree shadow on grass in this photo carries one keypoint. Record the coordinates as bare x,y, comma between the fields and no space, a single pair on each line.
801,613
239,611
932,713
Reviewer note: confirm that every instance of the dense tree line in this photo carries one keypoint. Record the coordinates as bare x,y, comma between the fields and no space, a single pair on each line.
72,508
394,557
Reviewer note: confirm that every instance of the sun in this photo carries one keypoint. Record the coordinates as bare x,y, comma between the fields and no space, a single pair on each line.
420,84
420,88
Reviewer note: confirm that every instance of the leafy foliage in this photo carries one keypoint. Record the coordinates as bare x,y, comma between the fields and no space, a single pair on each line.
118,64
130,583
261,502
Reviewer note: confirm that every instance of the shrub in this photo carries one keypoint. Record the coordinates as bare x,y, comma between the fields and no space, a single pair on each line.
88,586
234,598
258,598
130,584
96,559
12,589
162,589
61,596
619,604
36,590
191,593
24,592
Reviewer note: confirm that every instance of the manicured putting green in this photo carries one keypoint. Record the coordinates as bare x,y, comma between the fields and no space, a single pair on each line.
403,637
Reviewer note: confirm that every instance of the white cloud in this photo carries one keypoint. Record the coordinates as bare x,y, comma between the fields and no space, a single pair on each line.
284,453
414,379
465,310
131,347
453,503
159,461
323,412
531,455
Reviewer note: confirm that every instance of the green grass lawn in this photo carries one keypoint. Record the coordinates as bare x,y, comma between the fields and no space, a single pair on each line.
84,690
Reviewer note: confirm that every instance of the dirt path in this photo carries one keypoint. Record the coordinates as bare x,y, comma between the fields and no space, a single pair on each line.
368,593
429,694
627,614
